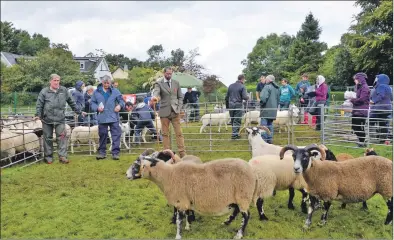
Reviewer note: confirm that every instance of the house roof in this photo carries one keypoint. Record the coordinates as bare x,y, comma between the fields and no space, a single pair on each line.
13,58
186,80
91,63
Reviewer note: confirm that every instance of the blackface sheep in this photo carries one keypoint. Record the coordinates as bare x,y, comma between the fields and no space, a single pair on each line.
261,148
354,180
188,186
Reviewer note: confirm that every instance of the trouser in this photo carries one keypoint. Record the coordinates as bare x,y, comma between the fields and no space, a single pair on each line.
61,136
382,121
141,125
319,116
194,112
284,105
116,132
269,124
358,124
236,119
175,120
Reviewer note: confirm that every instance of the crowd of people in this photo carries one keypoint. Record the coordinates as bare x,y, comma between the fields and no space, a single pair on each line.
310,99
106,108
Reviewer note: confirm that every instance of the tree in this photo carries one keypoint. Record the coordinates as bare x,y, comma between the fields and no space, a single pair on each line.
370,39
156,60
306,51
344,67
177,58
136,79
191,66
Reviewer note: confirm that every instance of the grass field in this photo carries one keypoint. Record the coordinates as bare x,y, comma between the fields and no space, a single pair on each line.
93,199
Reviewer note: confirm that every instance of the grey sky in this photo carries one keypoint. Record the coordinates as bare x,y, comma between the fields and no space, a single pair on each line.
225,32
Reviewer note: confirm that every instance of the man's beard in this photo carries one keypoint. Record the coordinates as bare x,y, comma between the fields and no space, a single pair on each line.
168,78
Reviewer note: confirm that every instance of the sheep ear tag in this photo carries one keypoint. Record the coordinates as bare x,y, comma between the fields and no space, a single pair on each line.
255,131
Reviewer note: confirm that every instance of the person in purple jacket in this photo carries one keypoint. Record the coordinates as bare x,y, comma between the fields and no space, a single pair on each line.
321,98
381,99
360,107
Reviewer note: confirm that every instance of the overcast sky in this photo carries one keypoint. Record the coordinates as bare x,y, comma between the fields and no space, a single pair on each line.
224,32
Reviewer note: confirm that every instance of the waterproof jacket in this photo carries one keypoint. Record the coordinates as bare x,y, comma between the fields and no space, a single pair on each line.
79,96
383,94
191,97
286,93
235,94
269,101
143,112
51,105
361,102
321,93
303,84
110,99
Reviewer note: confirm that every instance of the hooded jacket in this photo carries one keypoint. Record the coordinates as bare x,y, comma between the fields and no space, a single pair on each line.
269,101
361,102
286,93
78,96
382,94
303,84
143,112
321,89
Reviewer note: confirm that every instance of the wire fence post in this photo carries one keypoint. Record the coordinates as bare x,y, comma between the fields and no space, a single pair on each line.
210,132
290,126
322,114
367,139
15,101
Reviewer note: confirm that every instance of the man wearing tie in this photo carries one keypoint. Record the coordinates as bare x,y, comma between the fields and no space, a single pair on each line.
168,92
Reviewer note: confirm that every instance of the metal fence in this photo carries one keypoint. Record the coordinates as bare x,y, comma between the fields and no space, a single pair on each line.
207,128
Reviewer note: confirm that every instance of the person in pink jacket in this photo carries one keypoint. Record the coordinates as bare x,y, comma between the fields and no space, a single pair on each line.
320,95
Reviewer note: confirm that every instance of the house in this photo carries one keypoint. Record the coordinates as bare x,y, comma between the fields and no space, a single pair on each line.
98,65
121,73
10,59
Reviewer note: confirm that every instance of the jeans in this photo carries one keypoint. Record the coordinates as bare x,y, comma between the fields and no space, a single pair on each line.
268,123
116,132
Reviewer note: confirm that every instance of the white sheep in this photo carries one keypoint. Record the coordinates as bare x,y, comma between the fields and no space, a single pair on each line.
156,124
188,186
23,142
219,108
84,135
286,117
7,146
350,181
125,129
251,117
214,119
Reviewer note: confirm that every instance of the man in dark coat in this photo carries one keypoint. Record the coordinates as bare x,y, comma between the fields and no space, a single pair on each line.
145,119
91,118
269,101
191,97
79,99
236,93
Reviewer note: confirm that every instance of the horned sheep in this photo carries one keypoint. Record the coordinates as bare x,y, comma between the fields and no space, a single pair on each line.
188,186
354,180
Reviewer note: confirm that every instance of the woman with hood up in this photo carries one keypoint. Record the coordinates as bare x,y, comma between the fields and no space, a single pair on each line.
79,99
360,107
381,108
320,95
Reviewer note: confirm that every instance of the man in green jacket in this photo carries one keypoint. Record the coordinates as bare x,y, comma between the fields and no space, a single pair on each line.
269,101
50,108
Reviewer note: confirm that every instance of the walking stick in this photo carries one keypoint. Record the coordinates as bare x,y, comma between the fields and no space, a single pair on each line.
157,130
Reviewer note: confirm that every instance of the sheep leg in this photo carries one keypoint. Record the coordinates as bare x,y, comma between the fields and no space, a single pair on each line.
311,208
179,218
389,218
191,217
343,206
233,215
202,127
245,220
259,205
304,208
173,219
189,214
325,213
365,206
291,197
220,124
124,140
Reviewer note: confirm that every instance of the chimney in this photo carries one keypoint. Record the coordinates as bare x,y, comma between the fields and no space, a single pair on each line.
125,67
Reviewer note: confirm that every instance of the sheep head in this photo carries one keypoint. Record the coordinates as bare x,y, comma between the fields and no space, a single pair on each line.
302,156
134,171
255,131
369,152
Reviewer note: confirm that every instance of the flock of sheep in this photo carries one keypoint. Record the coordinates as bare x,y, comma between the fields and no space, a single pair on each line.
314,170
221,116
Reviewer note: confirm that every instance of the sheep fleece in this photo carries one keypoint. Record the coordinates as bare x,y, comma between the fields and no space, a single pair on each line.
350,181
206,188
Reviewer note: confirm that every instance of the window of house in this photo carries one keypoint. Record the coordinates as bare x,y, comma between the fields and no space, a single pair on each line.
82,65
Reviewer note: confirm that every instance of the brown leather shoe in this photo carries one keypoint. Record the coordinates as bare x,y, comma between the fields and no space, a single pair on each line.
63,160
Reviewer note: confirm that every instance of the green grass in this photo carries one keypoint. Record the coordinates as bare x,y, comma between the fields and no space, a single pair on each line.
93,199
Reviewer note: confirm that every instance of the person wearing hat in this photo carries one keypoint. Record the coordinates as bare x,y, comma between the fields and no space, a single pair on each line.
191,98
360,107
269,101
236,93
108,102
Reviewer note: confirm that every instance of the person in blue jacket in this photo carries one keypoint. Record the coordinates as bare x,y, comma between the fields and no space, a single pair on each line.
108,101
145,117
286,94
79,99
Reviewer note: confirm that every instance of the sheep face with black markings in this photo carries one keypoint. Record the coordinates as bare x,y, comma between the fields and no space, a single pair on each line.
351,181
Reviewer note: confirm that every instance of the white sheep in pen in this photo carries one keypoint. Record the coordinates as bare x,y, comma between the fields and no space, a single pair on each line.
350,181
84,135
251,117
188,186
286,117
214,119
